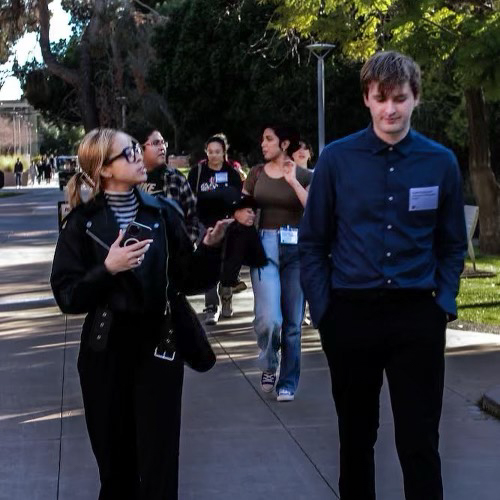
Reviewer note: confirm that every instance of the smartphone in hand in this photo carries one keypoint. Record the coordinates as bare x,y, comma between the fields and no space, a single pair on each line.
134,233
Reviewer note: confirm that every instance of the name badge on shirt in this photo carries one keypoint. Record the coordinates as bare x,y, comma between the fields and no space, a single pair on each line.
289,235
221,177
424,198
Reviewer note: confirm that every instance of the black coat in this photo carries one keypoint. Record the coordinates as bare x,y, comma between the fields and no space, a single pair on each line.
243,244
18,167
81,282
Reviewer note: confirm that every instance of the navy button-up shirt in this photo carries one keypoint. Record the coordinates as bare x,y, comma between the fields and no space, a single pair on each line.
383,216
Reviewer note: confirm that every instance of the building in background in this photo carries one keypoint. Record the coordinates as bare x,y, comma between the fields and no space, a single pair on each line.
18,128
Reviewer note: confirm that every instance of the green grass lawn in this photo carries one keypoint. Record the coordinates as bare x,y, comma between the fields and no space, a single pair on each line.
479,298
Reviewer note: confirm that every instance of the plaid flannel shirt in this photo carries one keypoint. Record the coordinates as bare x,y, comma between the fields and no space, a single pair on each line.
177,188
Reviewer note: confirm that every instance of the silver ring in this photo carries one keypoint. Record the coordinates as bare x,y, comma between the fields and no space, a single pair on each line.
139,261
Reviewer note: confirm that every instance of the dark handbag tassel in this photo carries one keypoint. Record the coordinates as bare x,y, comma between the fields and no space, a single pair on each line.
190,336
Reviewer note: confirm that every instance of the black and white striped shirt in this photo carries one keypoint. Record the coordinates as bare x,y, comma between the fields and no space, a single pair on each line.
124,206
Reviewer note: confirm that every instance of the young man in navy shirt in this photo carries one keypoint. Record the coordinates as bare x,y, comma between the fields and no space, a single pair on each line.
382,246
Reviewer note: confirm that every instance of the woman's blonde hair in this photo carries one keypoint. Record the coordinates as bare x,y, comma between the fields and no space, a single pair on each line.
93,152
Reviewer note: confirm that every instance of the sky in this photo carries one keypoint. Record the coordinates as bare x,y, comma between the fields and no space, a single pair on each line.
27,48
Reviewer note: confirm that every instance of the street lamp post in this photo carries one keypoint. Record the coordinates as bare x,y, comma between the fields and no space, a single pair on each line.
321,50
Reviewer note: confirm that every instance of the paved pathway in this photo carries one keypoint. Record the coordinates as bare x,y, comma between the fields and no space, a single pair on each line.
237,443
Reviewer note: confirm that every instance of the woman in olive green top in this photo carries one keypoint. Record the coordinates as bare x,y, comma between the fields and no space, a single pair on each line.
280,190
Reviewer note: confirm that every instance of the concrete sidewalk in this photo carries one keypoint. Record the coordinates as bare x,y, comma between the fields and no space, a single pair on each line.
237,443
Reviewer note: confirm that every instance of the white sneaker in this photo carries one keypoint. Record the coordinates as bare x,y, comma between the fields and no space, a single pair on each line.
267,381
285,395
212,314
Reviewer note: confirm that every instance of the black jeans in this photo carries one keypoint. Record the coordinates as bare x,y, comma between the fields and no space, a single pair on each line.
132,406
403,335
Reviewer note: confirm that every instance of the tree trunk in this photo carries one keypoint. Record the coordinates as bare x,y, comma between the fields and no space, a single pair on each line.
86,92
484,185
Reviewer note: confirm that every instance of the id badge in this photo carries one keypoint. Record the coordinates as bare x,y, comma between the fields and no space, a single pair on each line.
221,177
423,198
289,235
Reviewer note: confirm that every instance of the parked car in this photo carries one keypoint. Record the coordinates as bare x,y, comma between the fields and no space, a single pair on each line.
67,166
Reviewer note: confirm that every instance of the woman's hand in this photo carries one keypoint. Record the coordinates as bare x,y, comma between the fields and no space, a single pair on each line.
290,175
245,216
121,259
290,171
215,235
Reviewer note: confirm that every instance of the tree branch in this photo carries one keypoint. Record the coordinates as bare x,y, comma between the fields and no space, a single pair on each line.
150,9
70,76
455,34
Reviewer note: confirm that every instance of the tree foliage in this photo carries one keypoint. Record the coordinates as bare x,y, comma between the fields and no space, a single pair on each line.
211,66
59,140
456,41
106,57
52,97
220,68
16,18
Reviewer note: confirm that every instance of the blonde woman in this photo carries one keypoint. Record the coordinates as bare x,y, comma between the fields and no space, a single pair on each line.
131,386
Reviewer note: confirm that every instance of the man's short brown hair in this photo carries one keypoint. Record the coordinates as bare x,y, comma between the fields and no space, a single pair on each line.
390,69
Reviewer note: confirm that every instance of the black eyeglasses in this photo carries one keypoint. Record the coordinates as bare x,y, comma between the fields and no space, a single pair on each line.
130,153
156,143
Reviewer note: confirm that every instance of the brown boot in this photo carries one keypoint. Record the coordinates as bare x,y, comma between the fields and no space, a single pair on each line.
226,298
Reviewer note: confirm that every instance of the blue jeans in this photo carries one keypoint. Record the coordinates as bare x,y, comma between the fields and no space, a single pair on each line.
279,309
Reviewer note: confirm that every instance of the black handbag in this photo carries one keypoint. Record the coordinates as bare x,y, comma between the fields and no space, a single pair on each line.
190,337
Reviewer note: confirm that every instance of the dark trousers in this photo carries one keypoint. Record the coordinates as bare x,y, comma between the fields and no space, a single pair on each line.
403,335
18,179
132,406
